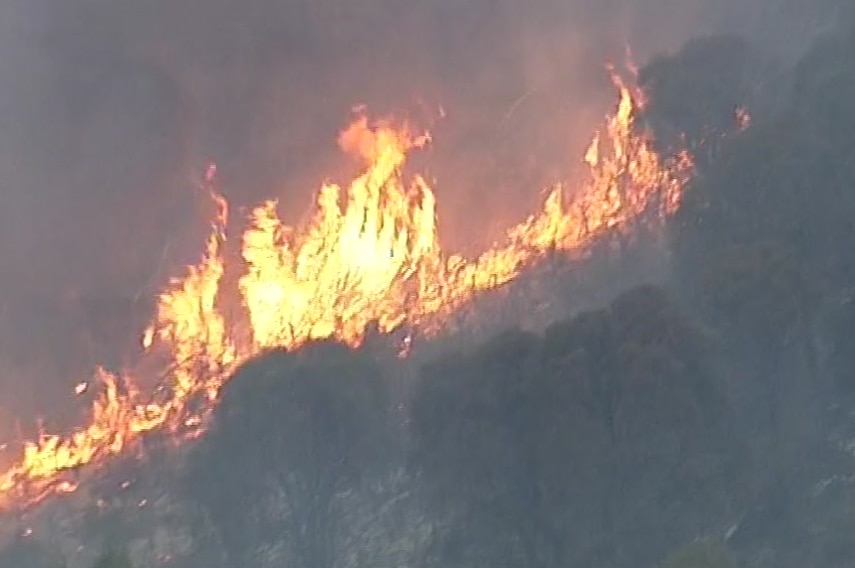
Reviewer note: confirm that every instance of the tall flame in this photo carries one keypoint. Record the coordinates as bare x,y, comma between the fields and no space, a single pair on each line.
370,254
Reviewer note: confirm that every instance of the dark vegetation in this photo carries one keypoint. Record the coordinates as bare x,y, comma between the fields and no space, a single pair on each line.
703,422
699,422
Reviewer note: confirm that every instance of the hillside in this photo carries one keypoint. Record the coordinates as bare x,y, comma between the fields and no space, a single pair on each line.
682,405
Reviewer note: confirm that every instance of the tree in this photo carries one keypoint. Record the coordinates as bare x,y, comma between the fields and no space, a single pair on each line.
758,240
694,95
762,242
641,335
465,453
764,233
294,433
786,180
640,369
543,451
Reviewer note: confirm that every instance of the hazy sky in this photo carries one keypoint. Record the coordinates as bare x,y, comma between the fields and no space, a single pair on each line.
108,110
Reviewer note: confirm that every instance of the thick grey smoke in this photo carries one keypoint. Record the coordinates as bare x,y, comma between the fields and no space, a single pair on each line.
109,109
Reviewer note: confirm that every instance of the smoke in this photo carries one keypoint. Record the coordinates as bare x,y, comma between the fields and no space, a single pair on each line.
109,109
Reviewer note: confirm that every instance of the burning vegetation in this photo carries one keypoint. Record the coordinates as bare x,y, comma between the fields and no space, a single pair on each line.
370,255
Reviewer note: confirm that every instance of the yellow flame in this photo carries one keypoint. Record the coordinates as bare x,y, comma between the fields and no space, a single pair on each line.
370,253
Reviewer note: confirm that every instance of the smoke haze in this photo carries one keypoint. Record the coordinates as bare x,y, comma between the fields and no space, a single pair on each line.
109,110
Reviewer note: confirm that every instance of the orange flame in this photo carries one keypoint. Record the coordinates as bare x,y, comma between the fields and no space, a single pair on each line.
371,253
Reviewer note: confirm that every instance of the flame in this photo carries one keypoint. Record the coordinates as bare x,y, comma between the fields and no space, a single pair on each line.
201,356
370,254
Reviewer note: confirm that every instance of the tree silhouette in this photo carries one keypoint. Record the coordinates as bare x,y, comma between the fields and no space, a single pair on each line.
295,431
542,451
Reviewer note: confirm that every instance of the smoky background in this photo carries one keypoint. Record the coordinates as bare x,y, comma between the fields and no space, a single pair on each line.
110,111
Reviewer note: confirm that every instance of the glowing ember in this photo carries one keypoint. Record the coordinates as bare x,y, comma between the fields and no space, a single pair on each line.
743,118
370,254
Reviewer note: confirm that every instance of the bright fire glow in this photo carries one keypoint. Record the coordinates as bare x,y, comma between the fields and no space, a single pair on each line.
370,254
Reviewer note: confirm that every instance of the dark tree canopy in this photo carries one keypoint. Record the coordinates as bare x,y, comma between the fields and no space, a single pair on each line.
696,94
548,450
304,426
787,179
762,254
